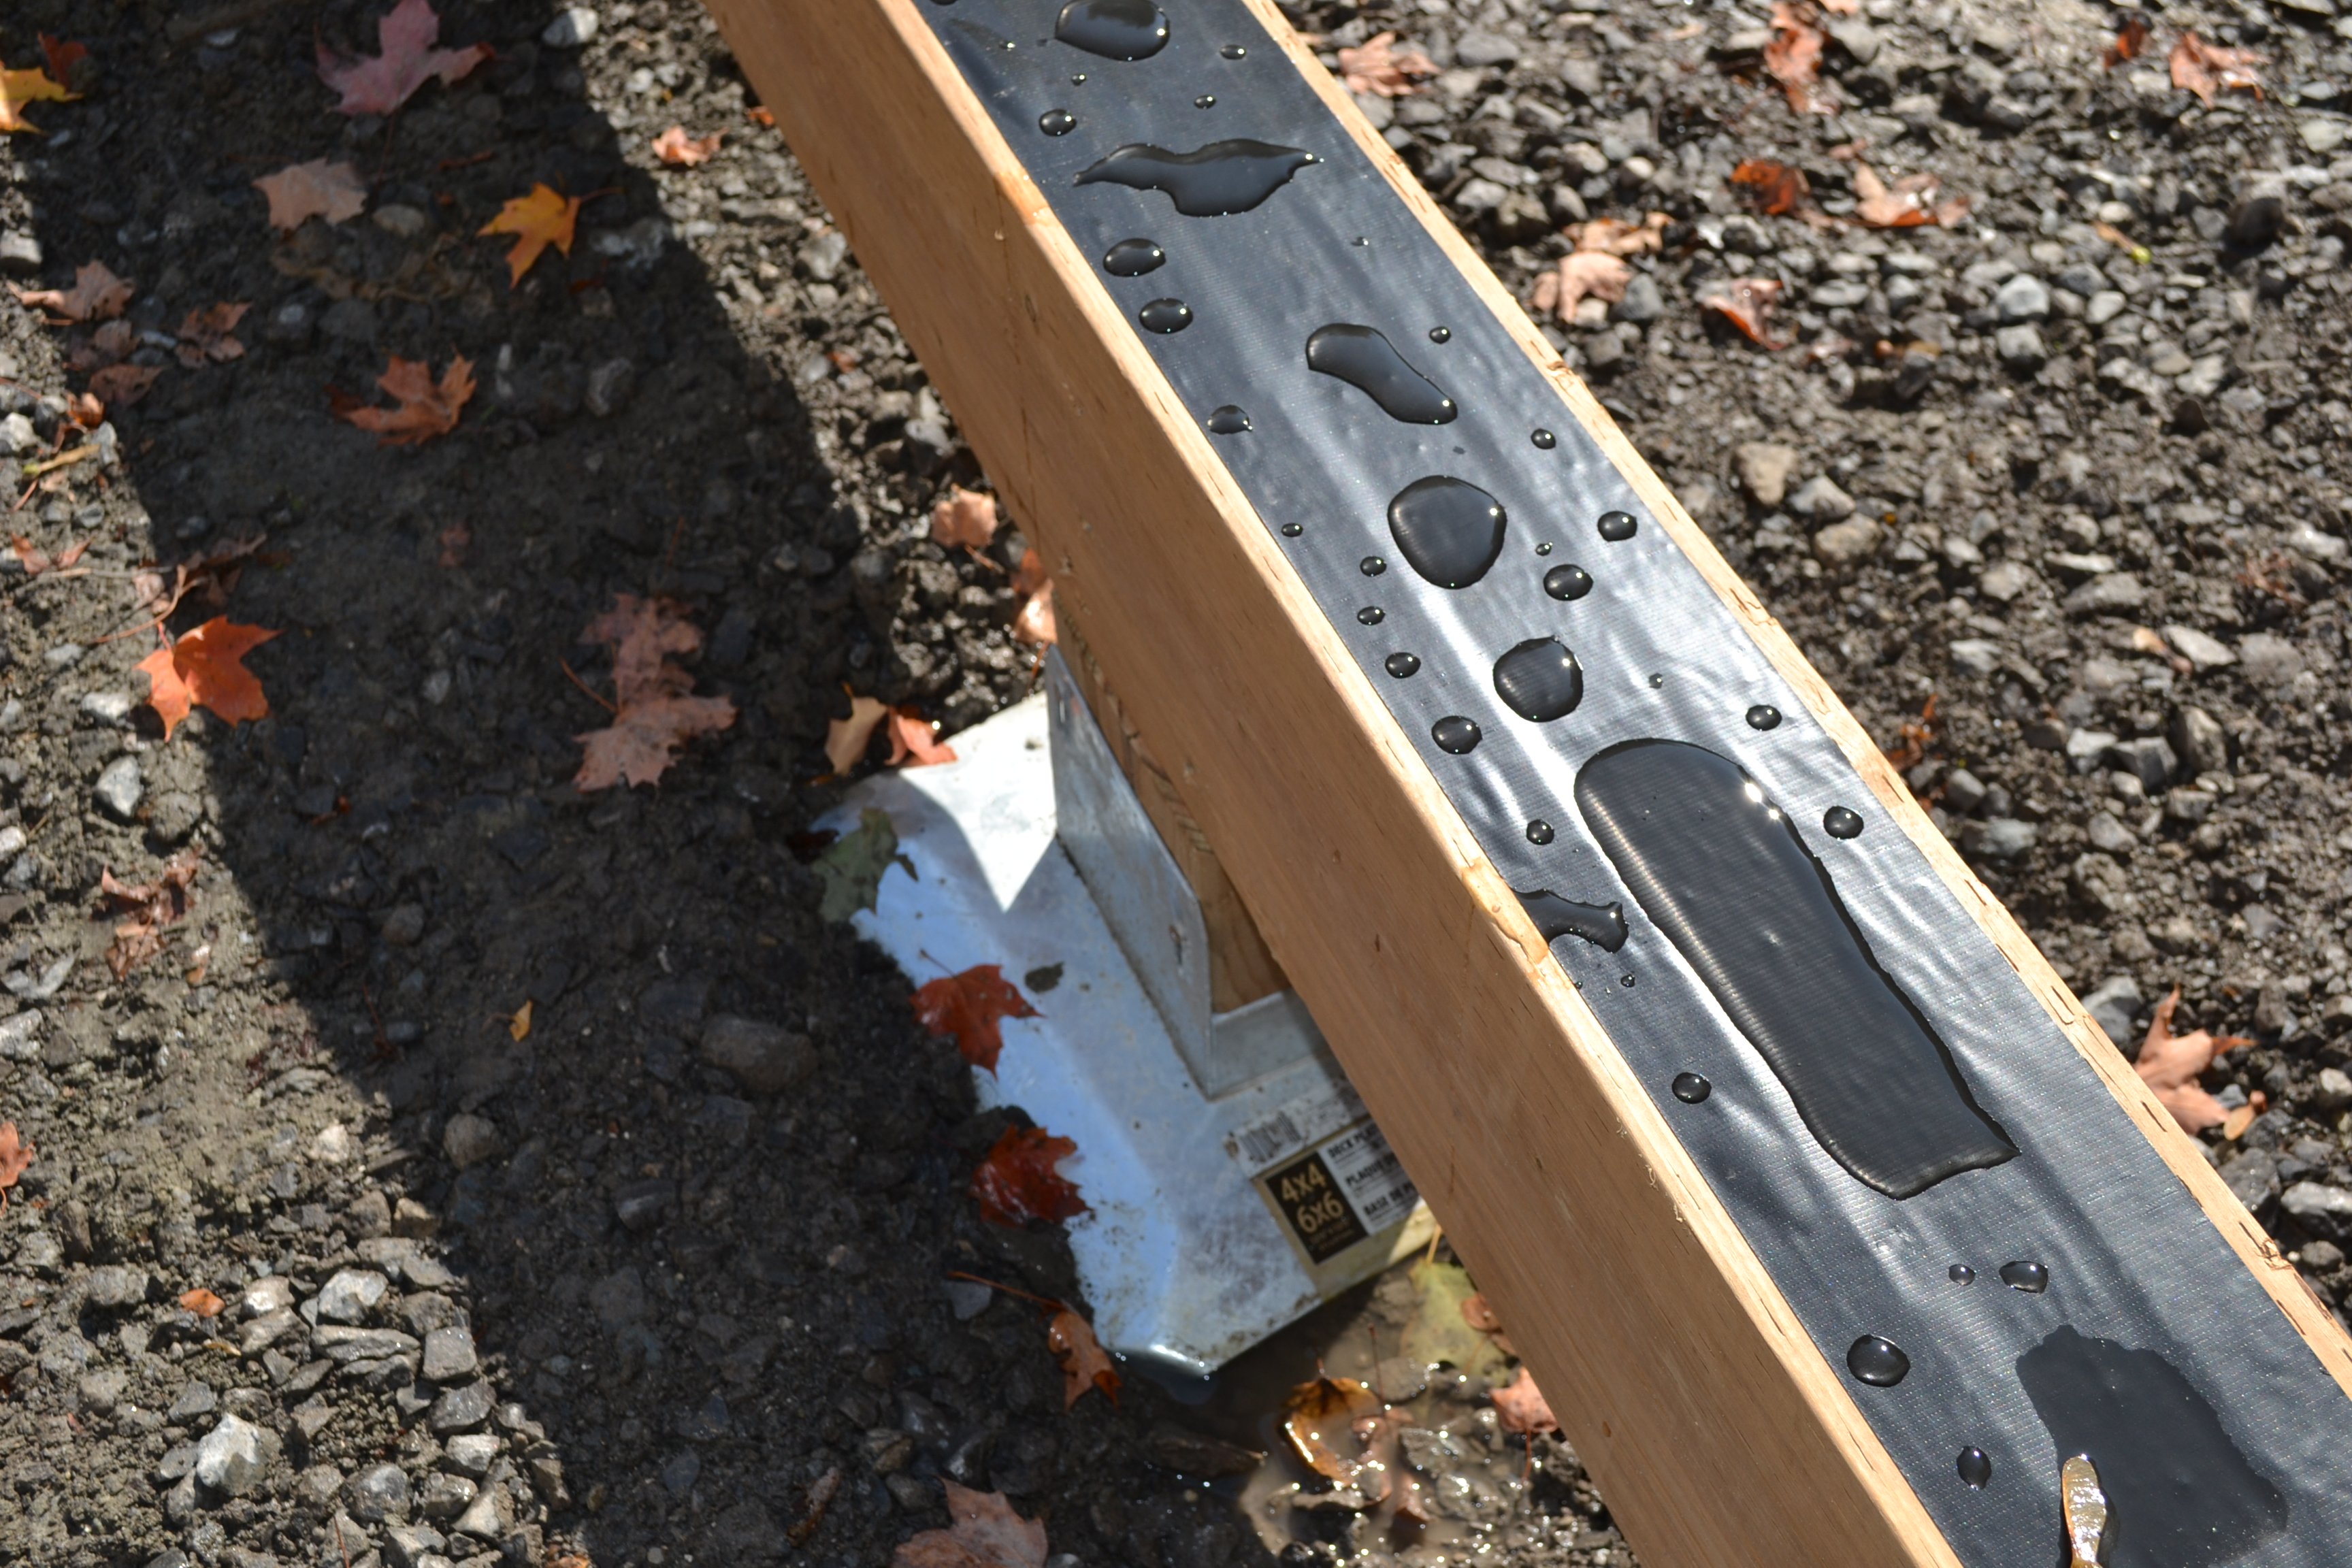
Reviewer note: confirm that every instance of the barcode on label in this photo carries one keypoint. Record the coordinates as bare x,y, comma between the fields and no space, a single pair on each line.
1264,1141
1296,1124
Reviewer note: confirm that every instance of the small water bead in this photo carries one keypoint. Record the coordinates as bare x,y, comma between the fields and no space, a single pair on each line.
1539,831
1543,546
1656,681
1057,122
1293,530
1079,80
1371,565
1568,583
1165,316
1975,1467
1206,100
1626,980
2031,1278
1234,51
1763,716
1115,29
1617,526
1690,1088
1877,1361
1960,1274
1370,615
1133,258
1456,735
1232,420
1441,334
1401,665
1544,439
1839,822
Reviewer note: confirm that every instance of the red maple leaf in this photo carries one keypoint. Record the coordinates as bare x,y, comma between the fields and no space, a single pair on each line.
1084,1364
206,669
15,1155
970,1006
1017,1183
381,83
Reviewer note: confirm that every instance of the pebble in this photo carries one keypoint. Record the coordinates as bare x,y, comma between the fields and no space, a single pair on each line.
351,1295
17,436
1843,544
462,1409
2324,1210
2108,835
195,1400
1963,791
2203,745
2005,838
2113,593
377,1493
2202,649
2269,661
2105,307
763,1058
2022,299
1479,48
449,1354
411,1545
231,1458
1820,499
2020,347
470,1453
116,1287
120,789
639,1206
573,25
485,1517
1643,303
20,253
445,1496
469,1140
1975,656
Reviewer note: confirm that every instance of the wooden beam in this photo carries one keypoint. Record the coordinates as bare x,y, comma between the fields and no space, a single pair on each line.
1687,1381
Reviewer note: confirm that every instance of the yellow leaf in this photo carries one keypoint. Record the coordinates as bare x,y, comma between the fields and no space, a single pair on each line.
541,219
520,1024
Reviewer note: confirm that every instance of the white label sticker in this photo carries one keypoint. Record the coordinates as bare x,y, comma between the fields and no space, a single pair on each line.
1295,1124
1372,1175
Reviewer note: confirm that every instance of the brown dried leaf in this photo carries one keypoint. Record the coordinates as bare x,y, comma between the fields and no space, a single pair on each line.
1084,1364
150,907
1615,236
986,1533
1319,1420
2170,1064
97,294
1035,624
1580,273
300,192
2131,38
1521,1406
678,150
15,1156
2206,68
964,516
845,740
1380,68
1909,202
1747,303
655,716
1795,57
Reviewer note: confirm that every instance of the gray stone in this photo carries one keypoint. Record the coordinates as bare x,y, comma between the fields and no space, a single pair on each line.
377,1493
1764,467
231,1458
680,1471
351,1295
2270,662
610,386
640,1205
462,1409
2202,650
20,253
1479,48
763,1058
409,1545
2002,837
2005,580
120,789
195,1400
2114,594
824,256
445,1496
2021,298
471,1454
469,1140
2114,1005
1963,791
98,1392
1975,656
1843,544
273,1294
2107,834
968,1298
2083,279
2020,347
485,1517
2104,306
116,1287
449,1354
573,25
1582,77
707,1423
1819,499
2253,1177
2148,759
348,321
2324,1211
344,1345
18,438
2259,212
1643,302
2321,134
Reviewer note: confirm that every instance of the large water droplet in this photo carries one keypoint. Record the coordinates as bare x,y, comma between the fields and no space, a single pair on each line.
1402,666
1840,822
1539,831
1763,716
1617,525
1231,420
2031,1278
1976,1469
1602,925
1455,734
1960,1274
1879,1362
1365,359
1690,1088
1115,29
1057,122
1165,316
1220,178
1540,681
1133,258
1568,582
1448,529
1544,439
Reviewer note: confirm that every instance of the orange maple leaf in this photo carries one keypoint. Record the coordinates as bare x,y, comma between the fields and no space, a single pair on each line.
2131,37
2205,68
300,192
1084,1364
381,83
1909,202
971,1006
1034,622
986,1533
18,87
206,669
202,1302
914,742
1017,1183
1795,57
2169,1064
676,148
1318,1415
150,908
35,563
423,410
1771,187
845,740
1747,303
97,294
542,218
963,517
1520,1406
15,1155
122,385
1615,236
62,55
1380,68
654,715
1580,273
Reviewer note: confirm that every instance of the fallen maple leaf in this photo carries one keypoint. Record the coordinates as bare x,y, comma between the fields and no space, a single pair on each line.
963,517
2169,1064
213,571
760,114
1581,273
35,563
1016,1184
2205,68
821,1494
542,218
422,409
914,742
845,740
97,294
61,55
518,1027
986,1533
1520,1406
970,1006
851,868
18,87
1084,1364
209,336
1034,622
15,1155
2131,37
86,411
1379,67
1615,236
1317,1414
381,84
300,192
202,1302
110,344
1747,303
1909,202
206,669
124,385
1770,187
655,714
678,150
1795,57
150,908
1479,1315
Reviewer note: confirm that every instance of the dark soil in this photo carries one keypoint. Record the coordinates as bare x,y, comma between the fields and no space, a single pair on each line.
679,1304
